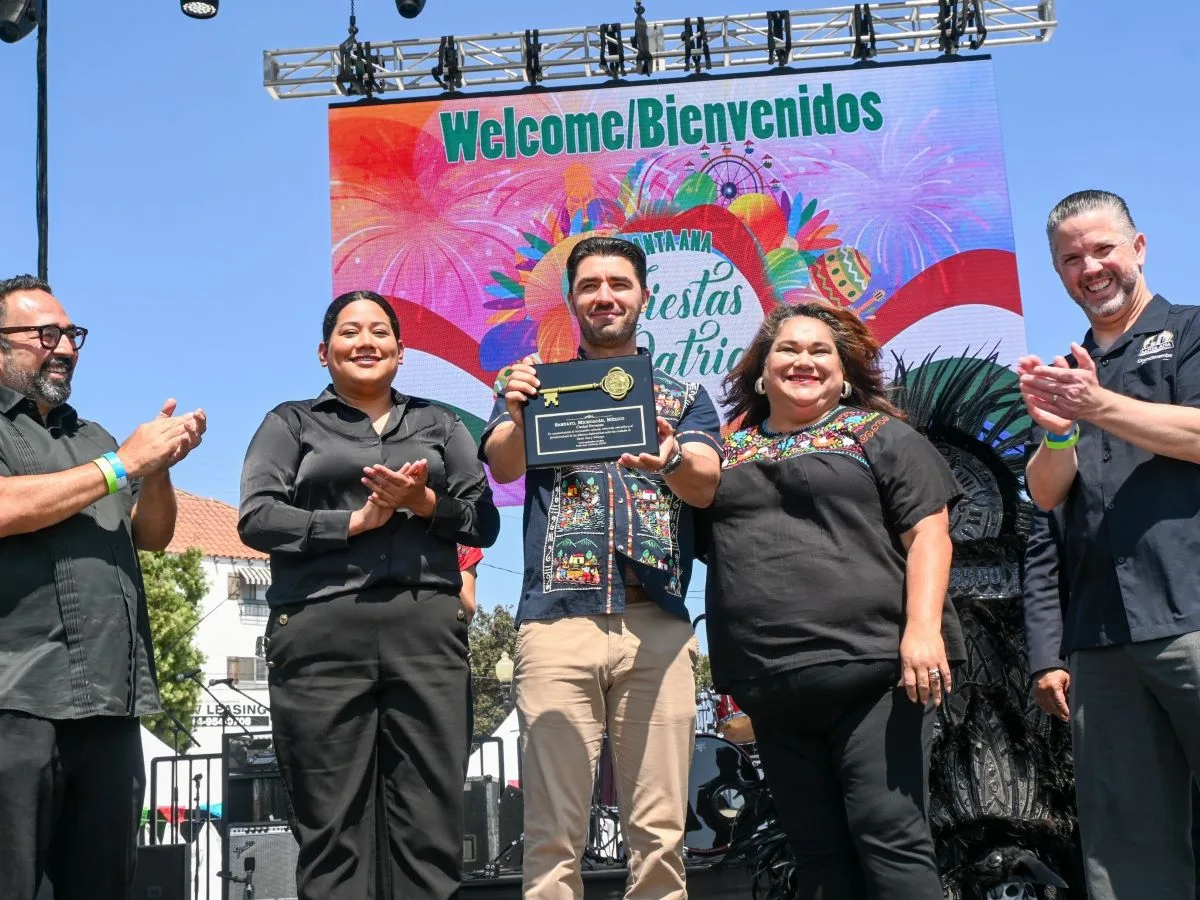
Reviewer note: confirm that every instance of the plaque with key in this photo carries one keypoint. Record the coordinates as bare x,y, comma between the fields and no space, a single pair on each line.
591,410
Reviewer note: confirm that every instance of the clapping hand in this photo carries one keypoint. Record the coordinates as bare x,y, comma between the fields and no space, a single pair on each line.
405,488
1057,395
163,441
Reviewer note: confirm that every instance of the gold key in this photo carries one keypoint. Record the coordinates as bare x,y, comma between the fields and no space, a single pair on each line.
617,384
550,395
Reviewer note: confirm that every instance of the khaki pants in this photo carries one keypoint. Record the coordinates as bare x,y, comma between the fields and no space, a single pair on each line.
576,677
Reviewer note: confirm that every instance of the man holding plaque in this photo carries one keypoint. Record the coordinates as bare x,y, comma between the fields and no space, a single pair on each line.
604,641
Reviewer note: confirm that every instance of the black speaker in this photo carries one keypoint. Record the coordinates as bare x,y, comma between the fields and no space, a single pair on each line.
481,822
273,849
512,815
253,787
162,872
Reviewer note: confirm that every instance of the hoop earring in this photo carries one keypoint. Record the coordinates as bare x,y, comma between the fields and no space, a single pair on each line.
847,390
758,386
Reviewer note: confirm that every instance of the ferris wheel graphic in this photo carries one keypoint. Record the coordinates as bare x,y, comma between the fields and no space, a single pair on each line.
736,174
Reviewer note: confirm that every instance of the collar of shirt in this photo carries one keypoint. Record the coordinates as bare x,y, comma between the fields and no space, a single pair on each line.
11,403
1152,319
330,397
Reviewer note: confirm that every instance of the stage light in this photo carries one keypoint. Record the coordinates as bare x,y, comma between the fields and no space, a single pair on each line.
199,9
410,9
17,19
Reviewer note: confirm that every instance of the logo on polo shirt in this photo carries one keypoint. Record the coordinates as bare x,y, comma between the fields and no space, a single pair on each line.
1156,347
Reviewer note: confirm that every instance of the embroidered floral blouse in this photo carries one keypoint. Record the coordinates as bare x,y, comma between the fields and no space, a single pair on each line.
805,563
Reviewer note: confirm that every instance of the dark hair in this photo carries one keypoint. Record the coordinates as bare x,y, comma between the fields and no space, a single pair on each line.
606,246
1089,201
856,346
340,303
20,283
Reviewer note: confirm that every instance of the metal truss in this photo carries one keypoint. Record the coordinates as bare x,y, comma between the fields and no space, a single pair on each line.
779,38
613,51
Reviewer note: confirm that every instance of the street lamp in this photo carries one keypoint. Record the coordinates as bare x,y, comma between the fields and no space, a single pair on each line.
17,19
504,668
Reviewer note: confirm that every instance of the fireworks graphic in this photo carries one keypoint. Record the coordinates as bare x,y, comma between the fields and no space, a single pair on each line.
907,200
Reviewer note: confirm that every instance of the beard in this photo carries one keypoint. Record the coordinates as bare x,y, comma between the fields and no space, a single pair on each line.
1104,309
614,335
38,385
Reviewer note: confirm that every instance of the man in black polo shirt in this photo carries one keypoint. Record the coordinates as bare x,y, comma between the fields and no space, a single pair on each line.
76,665
1121,452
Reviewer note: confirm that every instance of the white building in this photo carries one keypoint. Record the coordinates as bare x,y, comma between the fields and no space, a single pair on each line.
233,618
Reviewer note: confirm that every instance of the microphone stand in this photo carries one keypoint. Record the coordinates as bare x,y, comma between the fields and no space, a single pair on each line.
226,712
237,690
177,729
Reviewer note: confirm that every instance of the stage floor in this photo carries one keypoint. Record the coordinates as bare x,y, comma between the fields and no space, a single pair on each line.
705,881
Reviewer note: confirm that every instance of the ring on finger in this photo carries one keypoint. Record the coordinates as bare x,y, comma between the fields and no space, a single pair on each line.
935,674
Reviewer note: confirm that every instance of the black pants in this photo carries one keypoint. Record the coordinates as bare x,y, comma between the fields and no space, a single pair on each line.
370,709
846,755
70,801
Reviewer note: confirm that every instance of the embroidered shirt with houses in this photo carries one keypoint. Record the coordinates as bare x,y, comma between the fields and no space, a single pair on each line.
585,525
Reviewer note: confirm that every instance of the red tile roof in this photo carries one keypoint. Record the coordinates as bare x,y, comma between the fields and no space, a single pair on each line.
210,526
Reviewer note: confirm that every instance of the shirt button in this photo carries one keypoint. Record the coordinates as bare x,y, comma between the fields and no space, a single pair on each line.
1108,506
1107,456
1104,362
1120,560
270,663
283,618
383,556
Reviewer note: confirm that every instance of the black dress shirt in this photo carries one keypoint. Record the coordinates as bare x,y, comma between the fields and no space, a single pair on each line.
303,477
74,630
1132,517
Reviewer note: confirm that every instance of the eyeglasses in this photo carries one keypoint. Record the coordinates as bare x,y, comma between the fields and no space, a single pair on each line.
50,335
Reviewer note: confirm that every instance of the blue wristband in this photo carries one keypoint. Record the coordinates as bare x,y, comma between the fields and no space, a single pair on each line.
118,468
1061,442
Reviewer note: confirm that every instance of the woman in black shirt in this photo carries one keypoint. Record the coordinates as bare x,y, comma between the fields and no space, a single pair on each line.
828,568
360,497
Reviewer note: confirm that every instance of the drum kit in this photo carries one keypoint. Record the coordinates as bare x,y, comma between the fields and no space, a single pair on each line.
725,770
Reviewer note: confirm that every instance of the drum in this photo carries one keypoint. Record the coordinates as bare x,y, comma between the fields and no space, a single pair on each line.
733,724
721,777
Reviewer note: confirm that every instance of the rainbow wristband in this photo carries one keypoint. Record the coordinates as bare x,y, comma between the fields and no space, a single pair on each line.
110,477
118,468
1062,441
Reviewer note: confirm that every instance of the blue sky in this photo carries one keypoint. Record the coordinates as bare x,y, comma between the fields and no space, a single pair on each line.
189,212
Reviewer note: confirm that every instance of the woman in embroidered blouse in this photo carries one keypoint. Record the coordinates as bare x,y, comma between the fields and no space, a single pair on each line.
829,561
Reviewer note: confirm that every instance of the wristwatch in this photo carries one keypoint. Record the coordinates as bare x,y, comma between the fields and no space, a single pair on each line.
674,461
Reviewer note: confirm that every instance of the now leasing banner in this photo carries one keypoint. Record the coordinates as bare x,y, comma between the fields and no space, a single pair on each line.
881,190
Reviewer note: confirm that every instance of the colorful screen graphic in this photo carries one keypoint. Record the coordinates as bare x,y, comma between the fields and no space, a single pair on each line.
881,190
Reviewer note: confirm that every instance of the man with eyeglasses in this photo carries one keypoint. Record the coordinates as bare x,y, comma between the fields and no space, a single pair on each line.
76,662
